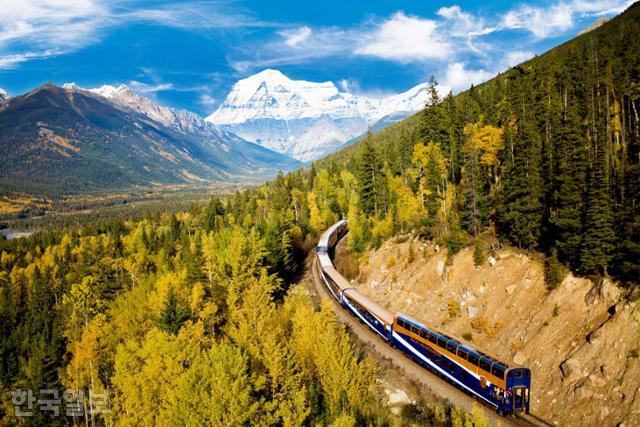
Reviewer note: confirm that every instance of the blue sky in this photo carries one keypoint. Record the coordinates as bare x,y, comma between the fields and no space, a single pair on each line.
188,54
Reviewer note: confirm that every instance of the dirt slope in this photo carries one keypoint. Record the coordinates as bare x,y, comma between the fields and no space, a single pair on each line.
581,340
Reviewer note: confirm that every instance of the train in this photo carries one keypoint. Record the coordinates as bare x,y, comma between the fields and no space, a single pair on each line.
503,386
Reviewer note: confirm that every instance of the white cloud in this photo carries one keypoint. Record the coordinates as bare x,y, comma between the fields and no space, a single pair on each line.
559,17
540,22
147,88
295,37
405,38
11,61
514,58
54,27
207,101
459,78
463,24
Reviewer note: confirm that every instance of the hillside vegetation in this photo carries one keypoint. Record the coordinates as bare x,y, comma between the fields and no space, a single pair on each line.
547,152
191,319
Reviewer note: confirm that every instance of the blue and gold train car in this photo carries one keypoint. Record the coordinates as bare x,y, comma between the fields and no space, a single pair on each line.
501,385
498,384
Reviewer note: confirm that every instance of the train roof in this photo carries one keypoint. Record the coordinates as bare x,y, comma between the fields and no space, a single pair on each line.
460,342
324,238
339,280
375,308
325,260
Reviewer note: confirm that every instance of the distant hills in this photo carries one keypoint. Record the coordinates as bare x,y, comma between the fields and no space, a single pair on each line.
308,120
67,139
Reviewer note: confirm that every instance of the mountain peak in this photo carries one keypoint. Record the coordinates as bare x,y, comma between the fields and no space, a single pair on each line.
269,74
306,119
4,95
70,86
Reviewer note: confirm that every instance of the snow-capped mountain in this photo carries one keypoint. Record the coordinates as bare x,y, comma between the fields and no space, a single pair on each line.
303,119
3,95
124,96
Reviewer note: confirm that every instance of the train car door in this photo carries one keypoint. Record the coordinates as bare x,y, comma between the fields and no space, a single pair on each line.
519,399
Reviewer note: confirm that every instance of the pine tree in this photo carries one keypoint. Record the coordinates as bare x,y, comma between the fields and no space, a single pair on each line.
520,211
568,213
371,180
553,270
599,236
172,317
434,121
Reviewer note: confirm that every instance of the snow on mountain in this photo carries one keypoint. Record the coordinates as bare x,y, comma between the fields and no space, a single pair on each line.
3,95
125,97
306,120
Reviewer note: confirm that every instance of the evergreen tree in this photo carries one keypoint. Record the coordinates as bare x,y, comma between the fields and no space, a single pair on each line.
520,212
599,236
172,317
434,121
568,213
371,180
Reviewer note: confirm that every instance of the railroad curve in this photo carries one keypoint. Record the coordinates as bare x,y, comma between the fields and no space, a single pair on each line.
411,369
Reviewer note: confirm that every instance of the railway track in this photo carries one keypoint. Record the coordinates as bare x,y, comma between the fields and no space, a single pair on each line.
413,370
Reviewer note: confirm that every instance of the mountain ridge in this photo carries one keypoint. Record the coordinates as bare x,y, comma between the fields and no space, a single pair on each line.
69,139
279,113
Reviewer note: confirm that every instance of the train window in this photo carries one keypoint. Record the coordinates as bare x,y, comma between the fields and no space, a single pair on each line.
527,374
400,323
485,364
462,353
497,370
473,359
433,338
451,346
442,343
518,373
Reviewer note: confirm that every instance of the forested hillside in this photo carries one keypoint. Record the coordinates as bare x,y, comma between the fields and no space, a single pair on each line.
547,152
185,319
192,319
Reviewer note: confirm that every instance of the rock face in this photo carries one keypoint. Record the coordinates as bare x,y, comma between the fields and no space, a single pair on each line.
307,120
581,340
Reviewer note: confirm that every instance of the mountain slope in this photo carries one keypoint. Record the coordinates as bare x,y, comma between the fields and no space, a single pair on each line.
565,174
68,139
287,115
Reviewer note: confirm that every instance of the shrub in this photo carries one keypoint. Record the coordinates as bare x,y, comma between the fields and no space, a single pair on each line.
468,336
391,261
412,254
454,308
553,273
556,310
516,346
478,253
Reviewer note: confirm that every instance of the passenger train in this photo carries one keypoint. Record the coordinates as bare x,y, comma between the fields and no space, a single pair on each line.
499,384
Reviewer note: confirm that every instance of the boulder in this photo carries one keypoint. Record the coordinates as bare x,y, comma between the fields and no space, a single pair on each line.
597,380
519,358
583,392
492,261
440,267
509,289
472,312
609,291
571,370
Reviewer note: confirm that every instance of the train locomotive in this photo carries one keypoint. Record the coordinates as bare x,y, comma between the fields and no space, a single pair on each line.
499,384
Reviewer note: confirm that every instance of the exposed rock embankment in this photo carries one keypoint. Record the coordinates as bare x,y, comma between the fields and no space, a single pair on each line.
580,340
